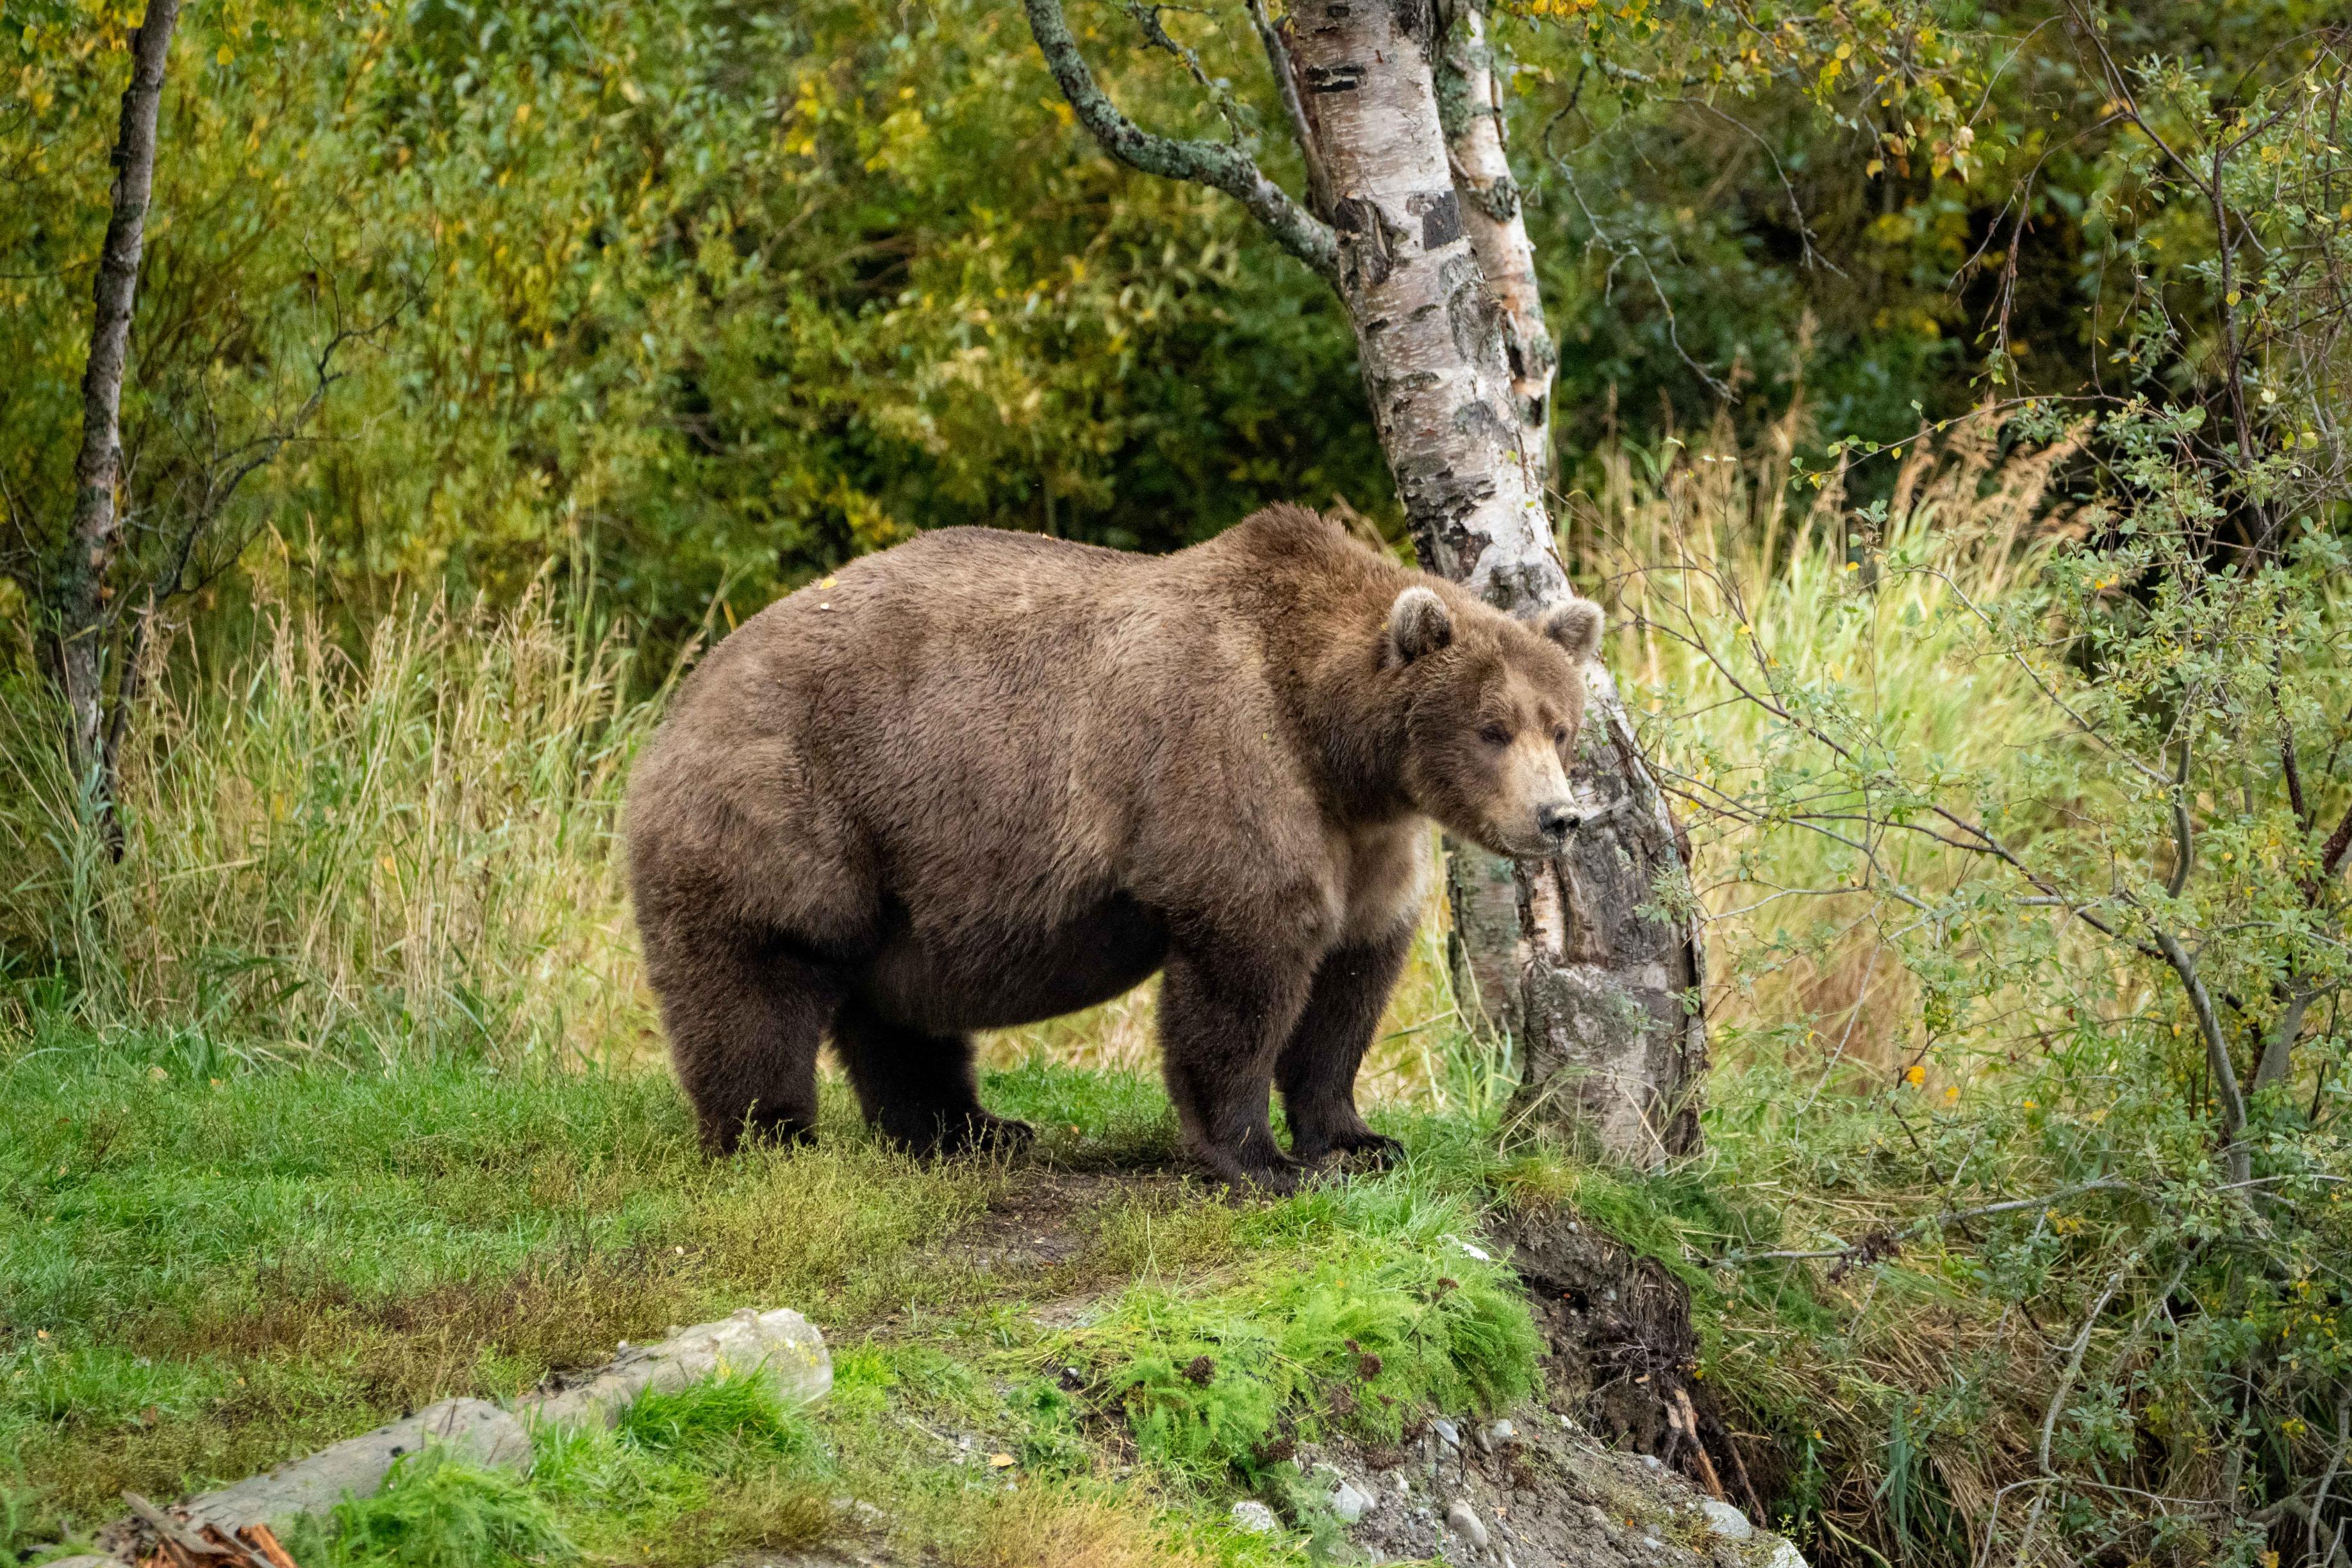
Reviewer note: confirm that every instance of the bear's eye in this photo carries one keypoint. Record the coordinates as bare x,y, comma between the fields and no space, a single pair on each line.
1495,735
1559,734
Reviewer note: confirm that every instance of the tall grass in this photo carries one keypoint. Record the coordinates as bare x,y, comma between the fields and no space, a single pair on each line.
410,842
1723,586
360,851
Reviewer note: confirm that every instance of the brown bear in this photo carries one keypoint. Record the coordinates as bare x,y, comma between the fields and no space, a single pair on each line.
984,779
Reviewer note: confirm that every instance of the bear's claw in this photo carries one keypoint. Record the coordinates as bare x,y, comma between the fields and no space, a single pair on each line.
1365,1149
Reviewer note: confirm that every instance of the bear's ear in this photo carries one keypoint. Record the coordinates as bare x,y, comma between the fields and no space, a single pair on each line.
1575,626
1419,624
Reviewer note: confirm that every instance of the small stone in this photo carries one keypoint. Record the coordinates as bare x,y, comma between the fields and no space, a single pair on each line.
865,1513
1785,1554
1403,1487
1462,1520
1350,1503
1650,1462
1254,1516
1501,1434
1447,1432
1725,1519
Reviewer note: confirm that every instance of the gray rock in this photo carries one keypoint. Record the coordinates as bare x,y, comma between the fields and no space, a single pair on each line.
1501,1434
857,1511
473,1427
1463,1521
1784,1554
1725,1519
781,1345
1350,1503
1447,1432
1254,1516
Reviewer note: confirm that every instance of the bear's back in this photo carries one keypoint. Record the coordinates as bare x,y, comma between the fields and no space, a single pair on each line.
974,713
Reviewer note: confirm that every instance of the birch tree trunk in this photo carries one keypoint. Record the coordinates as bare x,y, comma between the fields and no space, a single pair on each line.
1599,992
1470,78
90,539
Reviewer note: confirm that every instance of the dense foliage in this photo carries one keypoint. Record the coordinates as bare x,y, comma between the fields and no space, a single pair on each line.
717,295
1952,404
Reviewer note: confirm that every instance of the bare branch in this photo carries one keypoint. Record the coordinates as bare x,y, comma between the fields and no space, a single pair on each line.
1294,108
2217,1054
1222,168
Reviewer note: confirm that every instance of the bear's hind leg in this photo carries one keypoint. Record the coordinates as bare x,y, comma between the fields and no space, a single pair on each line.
919,1090
1317,1070
745,1021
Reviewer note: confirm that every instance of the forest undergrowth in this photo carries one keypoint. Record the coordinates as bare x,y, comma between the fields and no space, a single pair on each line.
340,1092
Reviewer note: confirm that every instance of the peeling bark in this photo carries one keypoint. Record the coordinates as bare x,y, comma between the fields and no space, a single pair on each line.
91,538
1428,333
1569,956
1470,104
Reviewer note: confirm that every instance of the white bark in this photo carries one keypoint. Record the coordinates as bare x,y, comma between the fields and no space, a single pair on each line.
1427,332
1470,103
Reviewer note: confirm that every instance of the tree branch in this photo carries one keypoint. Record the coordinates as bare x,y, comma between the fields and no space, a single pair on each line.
2217,1054
91,539
1294,108
2278,1055
1222,168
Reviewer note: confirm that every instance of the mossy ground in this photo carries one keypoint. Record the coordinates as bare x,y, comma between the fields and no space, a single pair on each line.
209,1266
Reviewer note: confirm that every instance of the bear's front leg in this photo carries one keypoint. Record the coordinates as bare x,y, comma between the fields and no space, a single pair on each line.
1317,1069
1224,1012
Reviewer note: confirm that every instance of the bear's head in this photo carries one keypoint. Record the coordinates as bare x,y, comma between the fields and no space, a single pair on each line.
1493,707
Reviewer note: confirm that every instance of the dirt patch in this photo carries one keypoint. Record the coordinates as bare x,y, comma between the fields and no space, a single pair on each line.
1043,1234
1043,1218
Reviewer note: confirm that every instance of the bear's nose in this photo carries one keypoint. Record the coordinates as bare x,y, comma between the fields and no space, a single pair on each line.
1556,820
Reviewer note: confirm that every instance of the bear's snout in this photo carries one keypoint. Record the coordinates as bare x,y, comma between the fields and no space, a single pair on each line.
1556,819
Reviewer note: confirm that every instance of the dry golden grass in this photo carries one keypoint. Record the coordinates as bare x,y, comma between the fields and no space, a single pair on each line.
1041,1525
1714,574
353,849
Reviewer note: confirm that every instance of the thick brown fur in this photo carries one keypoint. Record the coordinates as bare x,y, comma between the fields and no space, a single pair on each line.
983,779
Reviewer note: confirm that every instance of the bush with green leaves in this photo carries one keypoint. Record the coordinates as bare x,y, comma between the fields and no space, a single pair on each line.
2073,925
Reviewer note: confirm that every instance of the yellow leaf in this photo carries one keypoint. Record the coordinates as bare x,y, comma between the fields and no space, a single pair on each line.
999,1461
224,54
1874,166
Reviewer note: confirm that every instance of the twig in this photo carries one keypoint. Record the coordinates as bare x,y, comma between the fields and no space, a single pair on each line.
1884,1243
2217,1055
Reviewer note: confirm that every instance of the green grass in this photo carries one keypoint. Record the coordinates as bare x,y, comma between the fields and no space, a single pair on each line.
209,1266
